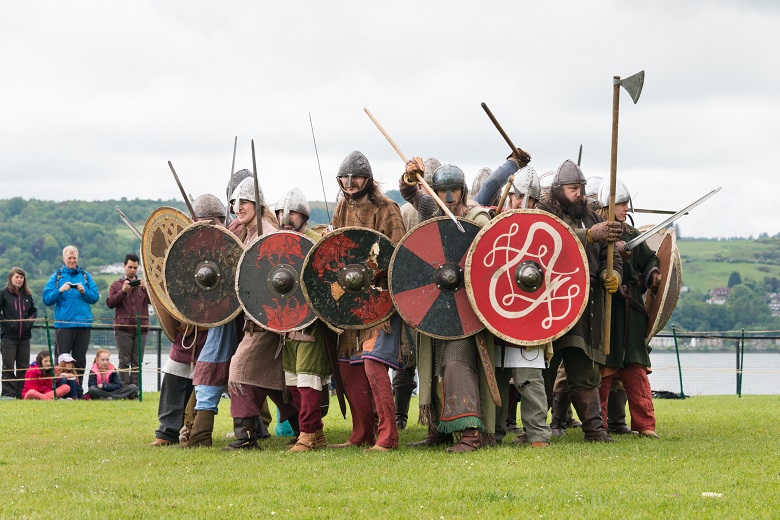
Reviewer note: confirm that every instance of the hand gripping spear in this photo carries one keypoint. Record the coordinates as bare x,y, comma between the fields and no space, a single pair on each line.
633,86
420,178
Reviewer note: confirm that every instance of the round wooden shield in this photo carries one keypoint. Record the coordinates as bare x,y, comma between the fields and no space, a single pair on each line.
200,274
162,226
527,277
427,279
268,281
660,305
340,277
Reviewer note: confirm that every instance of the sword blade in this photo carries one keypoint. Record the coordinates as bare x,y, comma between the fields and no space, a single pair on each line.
647,234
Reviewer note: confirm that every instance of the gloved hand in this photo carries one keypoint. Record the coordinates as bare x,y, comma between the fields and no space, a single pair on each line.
520,157
414,166
625,254
655,281
605,232
612,283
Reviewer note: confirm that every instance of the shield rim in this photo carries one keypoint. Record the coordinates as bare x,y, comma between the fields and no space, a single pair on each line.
251,316
225,230
470,289
162,295
655,306
306,291
390,278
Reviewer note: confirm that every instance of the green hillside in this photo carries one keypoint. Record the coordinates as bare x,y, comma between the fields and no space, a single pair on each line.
709,263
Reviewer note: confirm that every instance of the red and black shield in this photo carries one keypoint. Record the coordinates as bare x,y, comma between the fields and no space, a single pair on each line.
527,277
268,282
427,279
200,274
161,228
343,275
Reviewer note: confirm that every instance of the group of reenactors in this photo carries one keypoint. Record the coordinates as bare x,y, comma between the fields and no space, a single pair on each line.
384,287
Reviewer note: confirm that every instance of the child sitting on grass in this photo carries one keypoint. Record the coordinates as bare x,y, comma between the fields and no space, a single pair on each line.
104,381
65,373
38,379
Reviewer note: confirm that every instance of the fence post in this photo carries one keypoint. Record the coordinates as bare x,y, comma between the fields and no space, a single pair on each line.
679,368
51,356
140,356
741,363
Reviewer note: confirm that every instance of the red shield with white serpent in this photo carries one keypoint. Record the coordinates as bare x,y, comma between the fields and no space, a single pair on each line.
527,277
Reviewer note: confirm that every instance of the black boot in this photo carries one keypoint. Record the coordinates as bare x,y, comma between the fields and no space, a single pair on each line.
616,413
560,407
245,429
588,407
402,398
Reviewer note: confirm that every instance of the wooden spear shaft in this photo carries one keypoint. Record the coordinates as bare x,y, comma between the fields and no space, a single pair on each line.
611,212
505,193
420,178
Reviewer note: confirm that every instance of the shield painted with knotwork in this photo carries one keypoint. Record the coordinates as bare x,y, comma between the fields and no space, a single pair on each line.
527,277
343,278
427,279
660,305
200,274
161,228
268,282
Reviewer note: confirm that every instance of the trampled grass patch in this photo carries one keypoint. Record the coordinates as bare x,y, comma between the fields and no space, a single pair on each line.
718,457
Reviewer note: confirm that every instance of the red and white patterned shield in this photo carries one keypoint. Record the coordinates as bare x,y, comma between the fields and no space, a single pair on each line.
527,277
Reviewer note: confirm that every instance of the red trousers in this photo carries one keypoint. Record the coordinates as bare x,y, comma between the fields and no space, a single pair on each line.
640,396
358,394
382,390
307,401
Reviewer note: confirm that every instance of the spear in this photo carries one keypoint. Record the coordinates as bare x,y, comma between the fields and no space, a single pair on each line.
183,193
257,192
420,178
232,169
322,181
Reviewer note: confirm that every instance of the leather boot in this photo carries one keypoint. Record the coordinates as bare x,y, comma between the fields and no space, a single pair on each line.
560,406
588,407
202,426
306,442
434,438
571,422
319,439
616,413
245,429
469,441
402,397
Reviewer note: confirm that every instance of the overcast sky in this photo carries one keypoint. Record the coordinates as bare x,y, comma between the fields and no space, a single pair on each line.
96,97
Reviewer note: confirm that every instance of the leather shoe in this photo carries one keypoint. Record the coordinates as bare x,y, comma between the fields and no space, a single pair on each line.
161,442
540,444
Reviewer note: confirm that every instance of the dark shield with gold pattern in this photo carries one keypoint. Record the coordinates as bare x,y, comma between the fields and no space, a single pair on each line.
345,277
161,228
200,274
527,277
427,279
268,282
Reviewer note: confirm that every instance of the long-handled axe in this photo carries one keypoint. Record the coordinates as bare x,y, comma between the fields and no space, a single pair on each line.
633,86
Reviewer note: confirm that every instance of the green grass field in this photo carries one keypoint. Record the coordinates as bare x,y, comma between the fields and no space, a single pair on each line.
718,457
709,263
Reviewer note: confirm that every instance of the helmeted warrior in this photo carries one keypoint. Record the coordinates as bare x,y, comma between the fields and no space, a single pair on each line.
629,358
462,404
365,355
580,347
490,189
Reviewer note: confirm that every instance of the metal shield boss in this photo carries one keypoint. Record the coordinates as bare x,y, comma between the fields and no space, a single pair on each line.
200,274
163,225
660,305
427,279
527,277
268,281
340,276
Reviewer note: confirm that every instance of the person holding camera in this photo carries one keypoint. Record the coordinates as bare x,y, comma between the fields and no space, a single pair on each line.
129,297
72,290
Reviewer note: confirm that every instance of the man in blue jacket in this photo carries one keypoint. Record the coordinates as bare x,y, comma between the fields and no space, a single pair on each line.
72,290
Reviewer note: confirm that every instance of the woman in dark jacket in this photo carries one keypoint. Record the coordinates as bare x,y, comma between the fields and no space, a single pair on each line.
16,306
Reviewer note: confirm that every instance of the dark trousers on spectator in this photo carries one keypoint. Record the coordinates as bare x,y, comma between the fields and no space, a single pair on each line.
74,341
127,346
174,393
15,352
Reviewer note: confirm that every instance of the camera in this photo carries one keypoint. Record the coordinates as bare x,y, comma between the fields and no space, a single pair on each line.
135,283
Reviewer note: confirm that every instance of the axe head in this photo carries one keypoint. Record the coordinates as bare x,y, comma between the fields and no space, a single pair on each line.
633,85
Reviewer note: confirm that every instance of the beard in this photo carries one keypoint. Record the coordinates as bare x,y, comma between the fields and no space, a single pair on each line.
576,209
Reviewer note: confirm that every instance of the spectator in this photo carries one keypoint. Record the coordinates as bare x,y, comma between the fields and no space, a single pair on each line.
65,374
72,290
104,382
38,380
129,297
16,306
